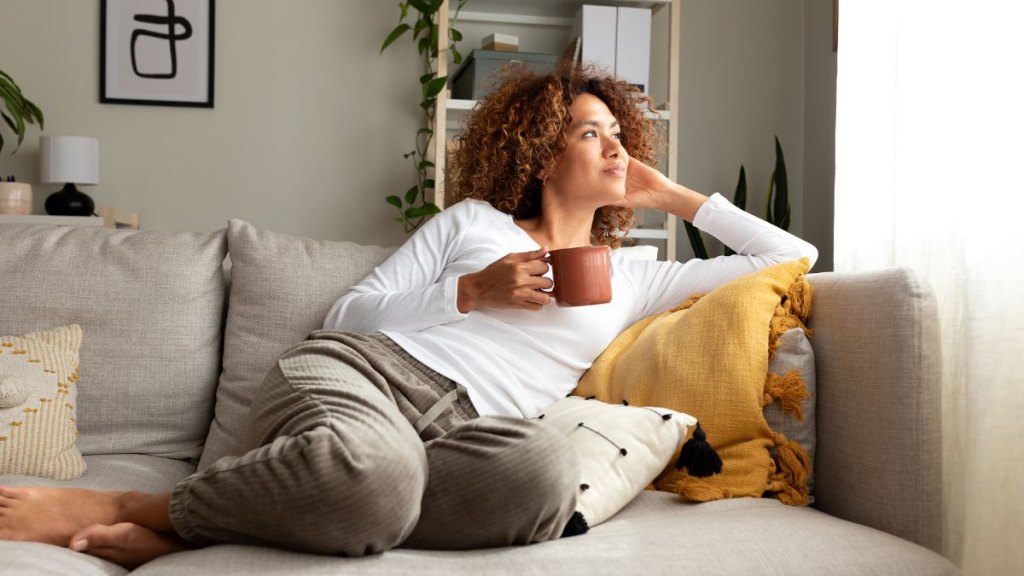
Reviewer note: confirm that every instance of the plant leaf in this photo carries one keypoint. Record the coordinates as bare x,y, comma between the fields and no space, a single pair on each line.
422,6
36,113
421,24
431,208
455,34
425,164
456,55
428,184
696,241
411,193
9,121
434,87
394,201
781,183
395,35
433,42
739,199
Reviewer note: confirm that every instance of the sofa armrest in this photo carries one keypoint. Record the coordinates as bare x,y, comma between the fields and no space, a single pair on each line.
878,367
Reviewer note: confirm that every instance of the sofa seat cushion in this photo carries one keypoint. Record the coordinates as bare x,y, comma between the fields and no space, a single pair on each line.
32,559
116,472
150,305
656,534
105,472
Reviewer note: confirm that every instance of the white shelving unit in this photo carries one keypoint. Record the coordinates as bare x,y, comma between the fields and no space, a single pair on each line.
551,21
53,220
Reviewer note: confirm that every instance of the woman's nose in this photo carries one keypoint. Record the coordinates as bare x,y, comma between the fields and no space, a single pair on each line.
613,147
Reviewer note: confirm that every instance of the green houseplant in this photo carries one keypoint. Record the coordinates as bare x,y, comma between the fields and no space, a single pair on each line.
414,206
776,209
20,111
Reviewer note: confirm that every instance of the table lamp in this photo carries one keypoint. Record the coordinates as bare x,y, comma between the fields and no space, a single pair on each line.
70,160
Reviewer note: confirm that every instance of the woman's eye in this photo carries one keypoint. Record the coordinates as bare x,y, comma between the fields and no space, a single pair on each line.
617,136
590,134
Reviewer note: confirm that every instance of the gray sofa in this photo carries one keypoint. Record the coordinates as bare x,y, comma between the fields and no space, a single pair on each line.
176,338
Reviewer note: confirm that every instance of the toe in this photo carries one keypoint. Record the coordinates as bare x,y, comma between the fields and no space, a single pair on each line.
97,536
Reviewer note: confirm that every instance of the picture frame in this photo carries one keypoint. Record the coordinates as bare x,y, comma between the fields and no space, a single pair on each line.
157,52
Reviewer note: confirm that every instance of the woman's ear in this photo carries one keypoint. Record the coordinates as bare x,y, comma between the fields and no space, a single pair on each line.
542,175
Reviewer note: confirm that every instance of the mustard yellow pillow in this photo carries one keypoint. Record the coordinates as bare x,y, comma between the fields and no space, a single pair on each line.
709,358
38,428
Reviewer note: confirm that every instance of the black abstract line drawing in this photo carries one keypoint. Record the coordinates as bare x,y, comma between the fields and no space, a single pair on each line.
171,36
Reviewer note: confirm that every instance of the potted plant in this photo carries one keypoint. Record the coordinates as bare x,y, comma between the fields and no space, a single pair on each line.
776,206
16,197
413,206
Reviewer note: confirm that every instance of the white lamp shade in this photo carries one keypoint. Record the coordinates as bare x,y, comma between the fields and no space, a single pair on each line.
64,159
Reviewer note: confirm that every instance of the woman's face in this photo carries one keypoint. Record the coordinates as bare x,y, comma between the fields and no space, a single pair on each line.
593,166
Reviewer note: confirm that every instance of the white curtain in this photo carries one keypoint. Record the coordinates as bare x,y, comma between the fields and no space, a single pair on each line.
929,173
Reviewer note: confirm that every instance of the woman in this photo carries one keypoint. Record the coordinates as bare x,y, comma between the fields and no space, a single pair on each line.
406,421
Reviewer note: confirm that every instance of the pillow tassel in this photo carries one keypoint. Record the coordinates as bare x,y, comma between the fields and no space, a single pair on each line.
789,389
577,525
699,490
698,456
793,466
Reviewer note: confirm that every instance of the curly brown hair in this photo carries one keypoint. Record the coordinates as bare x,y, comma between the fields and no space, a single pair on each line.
519,129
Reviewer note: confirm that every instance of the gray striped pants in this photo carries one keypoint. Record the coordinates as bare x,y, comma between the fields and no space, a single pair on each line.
335,465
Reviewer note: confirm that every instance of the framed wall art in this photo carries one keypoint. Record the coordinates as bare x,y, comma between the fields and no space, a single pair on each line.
157,52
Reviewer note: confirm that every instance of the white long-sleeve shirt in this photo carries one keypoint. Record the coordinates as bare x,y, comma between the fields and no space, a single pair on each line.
518,362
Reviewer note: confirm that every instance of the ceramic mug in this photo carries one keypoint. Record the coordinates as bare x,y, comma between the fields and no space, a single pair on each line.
582,276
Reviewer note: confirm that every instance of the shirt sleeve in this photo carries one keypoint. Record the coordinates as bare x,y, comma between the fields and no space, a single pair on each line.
757,244
409,291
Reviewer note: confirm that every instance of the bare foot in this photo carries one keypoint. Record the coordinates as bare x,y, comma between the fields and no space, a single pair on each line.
127,544
53,515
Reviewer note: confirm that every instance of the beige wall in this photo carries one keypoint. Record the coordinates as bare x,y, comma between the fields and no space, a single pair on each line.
311,121
819,130
306,136
751,70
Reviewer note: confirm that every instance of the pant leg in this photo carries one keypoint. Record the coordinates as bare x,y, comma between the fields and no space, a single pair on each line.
496,481
333,468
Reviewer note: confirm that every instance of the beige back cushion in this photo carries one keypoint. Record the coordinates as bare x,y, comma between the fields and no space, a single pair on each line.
281,289
150,305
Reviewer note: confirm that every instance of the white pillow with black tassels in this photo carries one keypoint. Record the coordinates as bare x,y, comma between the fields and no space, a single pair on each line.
621,449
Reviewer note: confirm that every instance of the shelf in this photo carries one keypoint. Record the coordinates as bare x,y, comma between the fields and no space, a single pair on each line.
55,220
648,233
540,12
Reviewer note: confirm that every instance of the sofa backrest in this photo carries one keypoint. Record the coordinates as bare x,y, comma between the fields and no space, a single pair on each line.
151,308
281,289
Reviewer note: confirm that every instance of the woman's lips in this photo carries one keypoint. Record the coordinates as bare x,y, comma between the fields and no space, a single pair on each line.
615,171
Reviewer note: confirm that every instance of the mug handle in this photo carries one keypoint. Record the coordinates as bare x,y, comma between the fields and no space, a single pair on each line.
553,292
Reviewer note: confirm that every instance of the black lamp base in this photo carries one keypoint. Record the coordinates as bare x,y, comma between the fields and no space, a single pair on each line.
69,202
